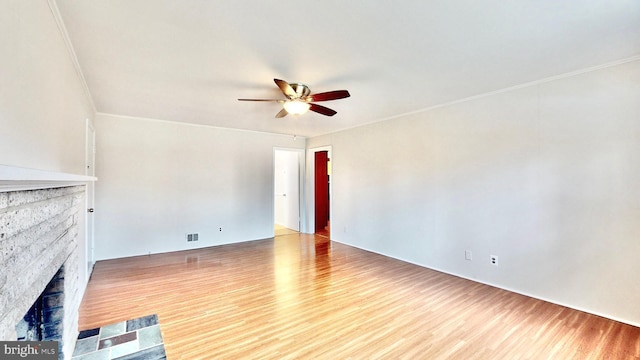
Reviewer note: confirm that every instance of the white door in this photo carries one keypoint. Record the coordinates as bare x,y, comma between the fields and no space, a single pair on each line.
287,188
90,160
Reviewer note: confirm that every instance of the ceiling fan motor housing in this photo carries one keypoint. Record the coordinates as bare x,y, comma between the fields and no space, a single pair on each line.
301,90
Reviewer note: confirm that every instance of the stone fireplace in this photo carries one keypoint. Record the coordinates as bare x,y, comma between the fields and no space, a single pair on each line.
40,262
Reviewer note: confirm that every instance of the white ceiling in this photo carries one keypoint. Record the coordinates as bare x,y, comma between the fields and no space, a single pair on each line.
189,60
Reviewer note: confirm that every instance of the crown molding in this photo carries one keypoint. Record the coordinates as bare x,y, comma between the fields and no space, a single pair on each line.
53,6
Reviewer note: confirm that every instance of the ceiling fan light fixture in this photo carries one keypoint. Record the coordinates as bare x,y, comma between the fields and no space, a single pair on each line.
296,107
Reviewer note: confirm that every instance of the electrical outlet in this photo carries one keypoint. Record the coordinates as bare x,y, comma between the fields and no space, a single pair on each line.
468,255
494,260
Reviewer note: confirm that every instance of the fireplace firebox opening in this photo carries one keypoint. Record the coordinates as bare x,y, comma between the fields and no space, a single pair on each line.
43,321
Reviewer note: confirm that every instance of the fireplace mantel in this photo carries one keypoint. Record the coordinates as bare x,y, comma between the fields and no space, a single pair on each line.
13,178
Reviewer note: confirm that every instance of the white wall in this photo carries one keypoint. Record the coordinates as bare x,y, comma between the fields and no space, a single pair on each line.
547,177
43,105
160,180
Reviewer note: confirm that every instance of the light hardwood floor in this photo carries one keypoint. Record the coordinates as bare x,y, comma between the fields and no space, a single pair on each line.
300,297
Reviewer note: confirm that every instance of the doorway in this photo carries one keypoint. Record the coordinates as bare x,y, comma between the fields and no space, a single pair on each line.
287,172
322,192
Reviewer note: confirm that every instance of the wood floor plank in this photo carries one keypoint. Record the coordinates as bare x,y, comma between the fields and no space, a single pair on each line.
298,296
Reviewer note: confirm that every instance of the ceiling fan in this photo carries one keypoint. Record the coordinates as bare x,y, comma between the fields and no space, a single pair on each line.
299,99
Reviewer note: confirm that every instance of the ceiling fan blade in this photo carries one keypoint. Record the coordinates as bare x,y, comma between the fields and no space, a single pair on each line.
329,95
322,110
282,113
287,90
275,100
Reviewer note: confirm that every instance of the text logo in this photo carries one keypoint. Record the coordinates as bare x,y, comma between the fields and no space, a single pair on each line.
29,350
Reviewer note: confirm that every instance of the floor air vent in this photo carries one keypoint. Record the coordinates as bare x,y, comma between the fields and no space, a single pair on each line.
192,237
